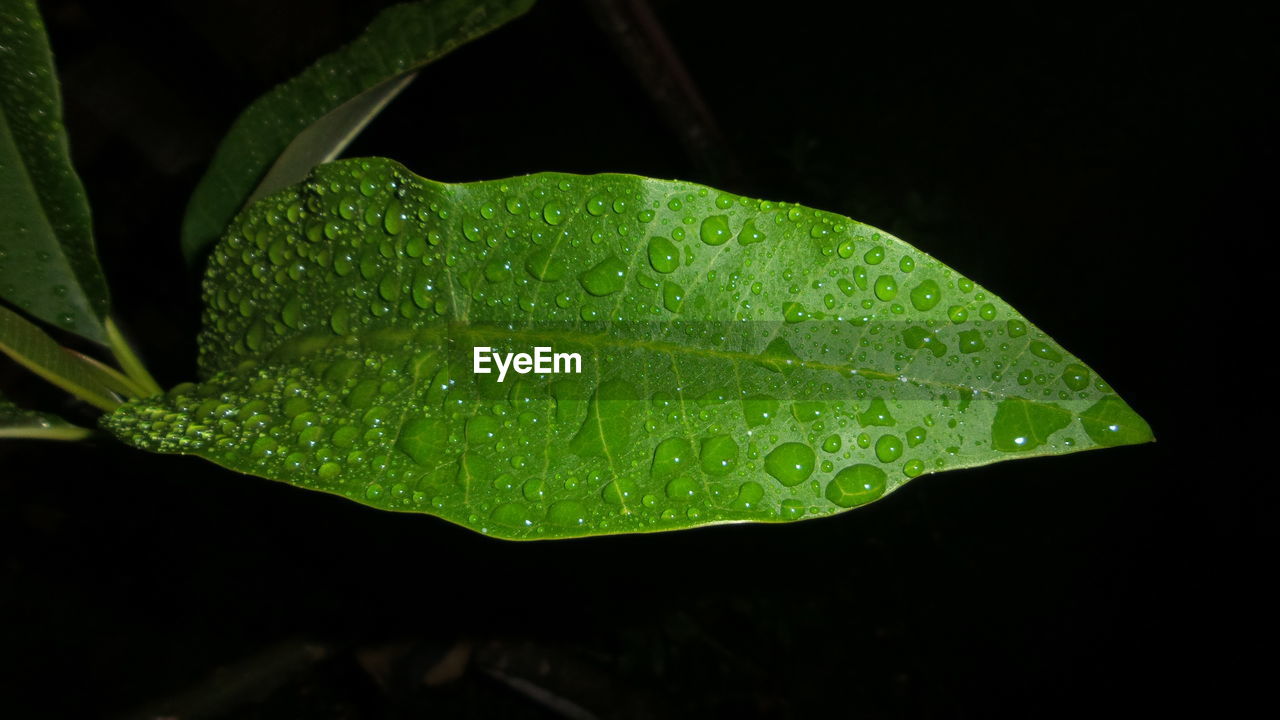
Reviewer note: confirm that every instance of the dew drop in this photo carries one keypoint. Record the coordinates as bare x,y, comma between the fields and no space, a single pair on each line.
856,485
663,255
605,278
790,463
718,455
715,230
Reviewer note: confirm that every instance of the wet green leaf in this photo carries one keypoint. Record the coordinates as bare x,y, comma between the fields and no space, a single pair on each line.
48,266
16,422
740,360
311,118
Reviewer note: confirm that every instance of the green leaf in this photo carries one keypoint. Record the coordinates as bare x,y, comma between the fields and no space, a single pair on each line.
16,422
741,360
48,266
310,119
27,344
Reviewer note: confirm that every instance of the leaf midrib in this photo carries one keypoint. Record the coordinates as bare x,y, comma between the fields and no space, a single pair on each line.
453,329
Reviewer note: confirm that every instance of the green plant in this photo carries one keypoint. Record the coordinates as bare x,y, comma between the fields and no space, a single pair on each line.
740,360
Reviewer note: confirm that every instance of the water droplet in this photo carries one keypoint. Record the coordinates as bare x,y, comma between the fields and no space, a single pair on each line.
790,463
778,357
543,265
423,439
1111,421
915,436
514,515
663,255
554,213
888,448
970,341
607,277
749,234
672,457
533,489
718,455
672,296
1022,424
917,337
807,412
1044,350
715,230
886,287
877,414
759,409
682,488
792,509
926,295
794,312
1075,376
567,513
856,485
395,218
749,495
482,429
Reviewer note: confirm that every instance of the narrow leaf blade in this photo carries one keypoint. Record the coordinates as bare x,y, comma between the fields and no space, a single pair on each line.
740,360
17,422
32,348
48,265
311,118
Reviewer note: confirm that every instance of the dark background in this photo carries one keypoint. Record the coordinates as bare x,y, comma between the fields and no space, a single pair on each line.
1108,172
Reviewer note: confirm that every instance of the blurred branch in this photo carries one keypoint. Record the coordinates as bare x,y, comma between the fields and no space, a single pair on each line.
230,687
638,37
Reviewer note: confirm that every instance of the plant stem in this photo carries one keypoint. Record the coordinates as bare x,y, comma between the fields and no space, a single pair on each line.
129,361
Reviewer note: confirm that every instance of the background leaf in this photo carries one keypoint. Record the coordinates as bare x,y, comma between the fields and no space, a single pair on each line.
16,422
32,348
312,117
48,266
742,360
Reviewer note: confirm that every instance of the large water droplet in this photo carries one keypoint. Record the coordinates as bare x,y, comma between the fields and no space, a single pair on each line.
715,230
1110,421
1075,376
759,409
672,296
607,277
888,448
672,457
1022,424
790,463
856,485
749,235
718,455
926,295
663,255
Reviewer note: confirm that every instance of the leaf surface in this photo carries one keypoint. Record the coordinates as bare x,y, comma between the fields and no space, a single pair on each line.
48,266
741,360
17,422
311,118
32,348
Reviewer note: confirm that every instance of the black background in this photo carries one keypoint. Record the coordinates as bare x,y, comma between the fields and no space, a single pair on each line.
1106,171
